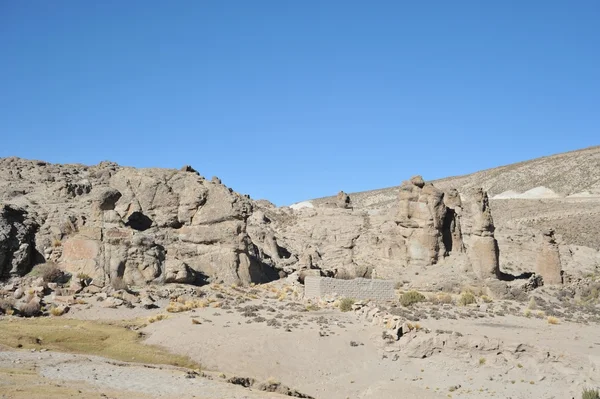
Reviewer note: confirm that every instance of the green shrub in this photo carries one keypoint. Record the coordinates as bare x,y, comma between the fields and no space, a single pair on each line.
590,394
346,304
411,297
466,298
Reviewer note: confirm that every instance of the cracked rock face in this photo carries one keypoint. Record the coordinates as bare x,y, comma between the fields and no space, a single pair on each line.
17,241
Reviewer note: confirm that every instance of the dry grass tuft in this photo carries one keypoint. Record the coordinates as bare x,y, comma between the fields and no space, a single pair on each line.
57,311
467,298
184,305
158,317
590,394
553,320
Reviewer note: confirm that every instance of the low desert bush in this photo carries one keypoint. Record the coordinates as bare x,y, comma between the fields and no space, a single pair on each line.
590,394
50,272
411,297
311,307
466,298
346,304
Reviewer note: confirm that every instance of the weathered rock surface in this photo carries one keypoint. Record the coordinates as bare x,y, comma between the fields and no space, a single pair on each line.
548,261
141,225
163,225
422,230
17,240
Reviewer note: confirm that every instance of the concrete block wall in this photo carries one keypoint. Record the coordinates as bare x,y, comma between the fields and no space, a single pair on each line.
358,288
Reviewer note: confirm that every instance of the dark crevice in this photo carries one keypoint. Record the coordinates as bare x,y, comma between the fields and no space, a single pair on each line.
511,277
138,221
447,228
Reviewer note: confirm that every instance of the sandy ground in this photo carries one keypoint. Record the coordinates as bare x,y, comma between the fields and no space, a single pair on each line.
327,353
89,376
315,354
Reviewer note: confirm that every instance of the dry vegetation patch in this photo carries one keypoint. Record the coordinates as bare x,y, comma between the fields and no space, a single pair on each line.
114,340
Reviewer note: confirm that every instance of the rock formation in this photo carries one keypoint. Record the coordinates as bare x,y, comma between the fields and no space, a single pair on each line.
141,225
421,215
17,240
478,232
343,200
164,225
548,260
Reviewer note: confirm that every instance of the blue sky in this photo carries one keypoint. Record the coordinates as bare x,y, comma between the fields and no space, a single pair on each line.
289,100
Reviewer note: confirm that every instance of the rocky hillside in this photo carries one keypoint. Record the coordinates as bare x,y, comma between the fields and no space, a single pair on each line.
560,191
153,225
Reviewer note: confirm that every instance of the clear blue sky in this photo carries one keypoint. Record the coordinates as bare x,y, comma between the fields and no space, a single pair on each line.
289,100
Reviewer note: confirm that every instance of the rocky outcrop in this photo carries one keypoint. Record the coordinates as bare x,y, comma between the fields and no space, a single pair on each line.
139,225
423,230
548,263
420,218
478,232
343,200
162,225
17,241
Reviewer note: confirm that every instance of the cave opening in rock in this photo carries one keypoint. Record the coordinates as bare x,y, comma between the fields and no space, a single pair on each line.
138,221
447,228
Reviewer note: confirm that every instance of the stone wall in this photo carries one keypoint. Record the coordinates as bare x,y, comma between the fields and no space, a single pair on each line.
359,288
